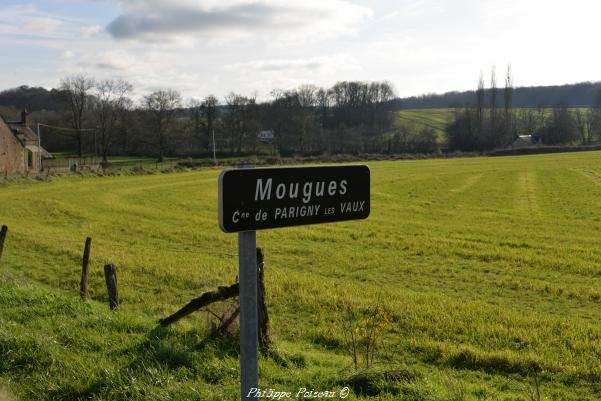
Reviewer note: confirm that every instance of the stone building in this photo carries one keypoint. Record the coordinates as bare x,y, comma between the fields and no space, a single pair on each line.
20,152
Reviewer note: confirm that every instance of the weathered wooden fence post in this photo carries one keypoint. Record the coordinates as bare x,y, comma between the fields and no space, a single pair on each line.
3,233
263,317
110,276
83,285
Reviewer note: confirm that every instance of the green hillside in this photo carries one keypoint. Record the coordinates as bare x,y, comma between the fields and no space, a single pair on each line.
485,273
436,119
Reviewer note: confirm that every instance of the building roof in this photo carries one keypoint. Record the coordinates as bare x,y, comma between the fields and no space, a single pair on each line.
21,130
23,133
265,135
36,148
26,137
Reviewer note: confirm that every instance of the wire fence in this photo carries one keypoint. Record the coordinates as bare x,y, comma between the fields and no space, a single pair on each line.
71,164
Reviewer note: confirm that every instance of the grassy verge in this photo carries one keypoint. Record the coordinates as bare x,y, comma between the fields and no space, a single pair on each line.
488,269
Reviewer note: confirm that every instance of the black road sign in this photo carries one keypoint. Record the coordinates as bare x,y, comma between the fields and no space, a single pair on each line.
257,199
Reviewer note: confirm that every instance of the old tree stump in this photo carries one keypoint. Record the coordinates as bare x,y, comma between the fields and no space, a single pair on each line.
233,313
3,232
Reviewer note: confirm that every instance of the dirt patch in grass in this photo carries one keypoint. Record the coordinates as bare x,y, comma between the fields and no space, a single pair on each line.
4,395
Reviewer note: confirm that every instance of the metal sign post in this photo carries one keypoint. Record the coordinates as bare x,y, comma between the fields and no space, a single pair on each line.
249,351
249,326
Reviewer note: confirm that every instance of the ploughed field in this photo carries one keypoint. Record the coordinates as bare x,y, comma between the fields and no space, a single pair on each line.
486,271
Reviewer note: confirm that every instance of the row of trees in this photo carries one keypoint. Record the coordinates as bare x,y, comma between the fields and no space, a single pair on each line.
349,117
488,125
103,119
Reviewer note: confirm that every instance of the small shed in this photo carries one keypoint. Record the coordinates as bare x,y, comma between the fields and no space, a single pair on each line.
266,136
527,141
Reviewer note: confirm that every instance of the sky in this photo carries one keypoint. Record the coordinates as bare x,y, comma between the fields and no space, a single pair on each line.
202,47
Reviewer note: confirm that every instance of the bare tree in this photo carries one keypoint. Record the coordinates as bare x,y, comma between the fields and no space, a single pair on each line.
493,108
595,125
197,124
110,104
242,120
360,103
560,127
386,92
77,89
307,95
323,104
234,119
480,103
507,110
209,112
542,115
585,122
162,105
528,121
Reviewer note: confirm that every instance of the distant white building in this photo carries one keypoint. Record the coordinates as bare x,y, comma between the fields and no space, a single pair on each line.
265,136
527,141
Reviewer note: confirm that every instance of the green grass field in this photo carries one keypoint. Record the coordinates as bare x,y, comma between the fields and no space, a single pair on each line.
417,120
490,269
438,119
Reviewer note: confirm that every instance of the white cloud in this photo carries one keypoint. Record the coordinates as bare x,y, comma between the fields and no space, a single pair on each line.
28,20
117,60
278,19
269,74
41,26
87,32
68,55
326,65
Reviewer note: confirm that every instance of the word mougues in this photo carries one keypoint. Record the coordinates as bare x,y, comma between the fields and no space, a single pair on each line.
309,189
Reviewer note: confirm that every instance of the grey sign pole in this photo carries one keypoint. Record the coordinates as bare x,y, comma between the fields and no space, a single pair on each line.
249,337
249,353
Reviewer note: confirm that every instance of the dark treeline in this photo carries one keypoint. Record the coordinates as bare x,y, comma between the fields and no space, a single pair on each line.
86,116
31,98
491,121
581,94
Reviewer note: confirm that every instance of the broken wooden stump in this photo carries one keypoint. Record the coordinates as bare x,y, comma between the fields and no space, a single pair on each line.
263,317
232,314
205,299
83,285
227,320
3,232
110,276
